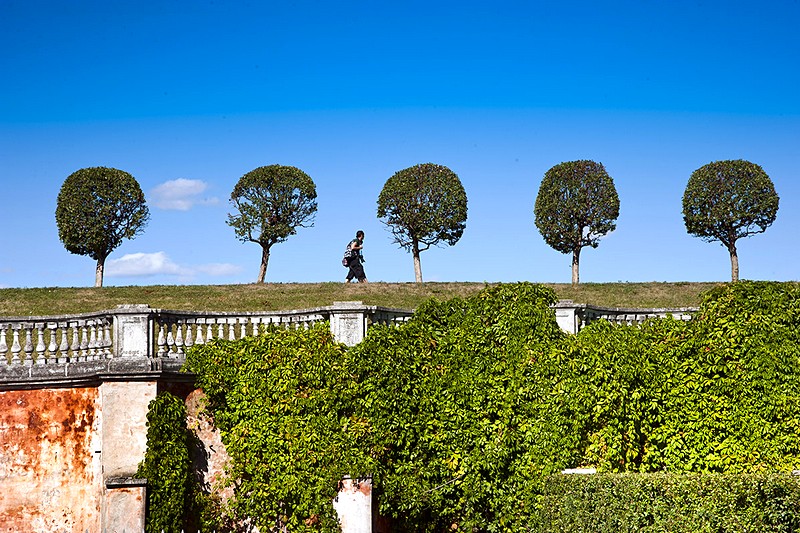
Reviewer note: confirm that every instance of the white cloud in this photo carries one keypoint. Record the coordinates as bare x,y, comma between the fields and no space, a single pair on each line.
159,263
181,194
141,264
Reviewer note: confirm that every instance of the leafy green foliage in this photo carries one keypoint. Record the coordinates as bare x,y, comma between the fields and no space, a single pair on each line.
577,204
283,404
463,412
668,503
272,202
718,394
423,205
97,208
173,494
615,375
465,409
727,200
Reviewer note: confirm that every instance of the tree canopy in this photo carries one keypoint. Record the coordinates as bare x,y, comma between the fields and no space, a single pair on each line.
272,202
423,205
727,200
96,209
577,204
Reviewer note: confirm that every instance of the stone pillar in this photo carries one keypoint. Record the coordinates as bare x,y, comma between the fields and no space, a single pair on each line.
132,332
124,442
348,322
353,504
567,316
133,339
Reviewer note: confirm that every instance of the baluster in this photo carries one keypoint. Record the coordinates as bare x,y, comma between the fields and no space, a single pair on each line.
92,353
15,349
41,355
188,341
200,339
52,347
220,330
28,346
84,344
107,343
63,347
75,345
209,332
179,340
162,342
231,329
3,345
170,341
243,328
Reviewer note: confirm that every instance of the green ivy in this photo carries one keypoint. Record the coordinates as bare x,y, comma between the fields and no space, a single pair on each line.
283,404
718,394
464,414
172,491
465,407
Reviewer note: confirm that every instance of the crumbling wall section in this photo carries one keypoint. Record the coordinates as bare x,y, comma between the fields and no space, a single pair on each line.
50,464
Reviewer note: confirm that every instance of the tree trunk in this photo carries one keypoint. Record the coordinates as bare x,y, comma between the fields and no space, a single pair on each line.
734,262
576,260
262,272
417,265
98,272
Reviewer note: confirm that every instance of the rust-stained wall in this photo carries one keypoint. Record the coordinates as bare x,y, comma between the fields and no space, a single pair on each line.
50,465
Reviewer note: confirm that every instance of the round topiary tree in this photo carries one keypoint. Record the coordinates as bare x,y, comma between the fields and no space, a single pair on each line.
424,205
96,209
272,202
727,200
577,204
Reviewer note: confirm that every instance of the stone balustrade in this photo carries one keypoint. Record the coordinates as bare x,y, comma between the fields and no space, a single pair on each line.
95,342
133,338
42,340
573,317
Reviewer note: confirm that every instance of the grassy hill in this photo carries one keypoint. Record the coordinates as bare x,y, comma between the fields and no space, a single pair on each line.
280,296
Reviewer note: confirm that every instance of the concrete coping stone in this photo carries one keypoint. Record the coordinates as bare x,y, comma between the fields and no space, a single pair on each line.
125,482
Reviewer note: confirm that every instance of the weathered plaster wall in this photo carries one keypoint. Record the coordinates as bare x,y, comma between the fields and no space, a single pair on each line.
50,464
124,405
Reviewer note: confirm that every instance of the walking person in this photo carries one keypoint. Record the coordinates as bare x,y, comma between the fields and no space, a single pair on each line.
356,268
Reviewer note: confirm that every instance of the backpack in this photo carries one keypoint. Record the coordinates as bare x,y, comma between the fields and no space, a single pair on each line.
347,254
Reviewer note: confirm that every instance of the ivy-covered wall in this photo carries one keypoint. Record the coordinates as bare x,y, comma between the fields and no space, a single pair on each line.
464,415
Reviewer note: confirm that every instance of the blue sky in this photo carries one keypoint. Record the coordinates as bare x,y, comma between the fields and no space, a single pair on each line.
189,96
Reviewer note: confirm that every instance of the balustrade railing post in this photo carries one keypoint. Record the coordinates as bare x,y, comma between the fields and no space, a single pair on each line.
133,336
568,315
348,322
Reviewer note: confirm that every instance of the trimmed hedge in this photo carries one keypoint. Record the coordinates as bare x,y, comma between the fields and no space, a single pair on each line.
670,503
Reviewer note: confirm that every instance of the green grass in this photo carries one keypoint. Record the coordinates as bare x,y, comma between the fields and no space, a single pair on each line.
283,296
